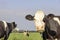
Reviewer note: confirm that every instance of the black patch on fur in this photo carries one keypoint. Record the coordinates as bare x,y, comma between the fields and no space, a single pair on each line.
29,17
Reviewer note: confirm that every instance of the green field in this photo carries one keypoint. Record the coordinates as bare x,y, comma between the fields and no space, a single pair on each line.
21,36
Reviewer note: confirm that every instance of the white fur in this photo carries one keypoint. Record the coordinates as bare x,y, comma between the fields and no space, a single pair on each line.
39,15
5,24
39,20
57,19
56,39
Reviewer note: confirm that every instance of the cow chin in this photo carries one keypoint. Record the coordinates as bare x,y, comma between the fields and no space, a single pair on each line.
40,29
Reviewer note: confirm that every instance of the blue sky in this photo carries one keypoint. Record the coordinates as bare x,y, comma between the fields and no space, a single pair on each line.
16,10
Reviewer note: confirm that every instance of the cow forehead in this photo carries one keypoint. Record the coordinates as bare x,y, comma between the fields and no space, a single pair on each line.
57,19
39,15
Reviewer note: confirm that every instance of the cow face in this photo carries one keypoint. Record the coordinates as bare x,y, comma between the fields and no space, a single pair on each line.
40,25
14,25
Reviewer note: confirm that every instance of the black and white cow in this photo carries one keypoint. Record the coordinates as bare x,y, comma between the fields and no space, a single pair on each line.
26,33
6,28
52,27
49,24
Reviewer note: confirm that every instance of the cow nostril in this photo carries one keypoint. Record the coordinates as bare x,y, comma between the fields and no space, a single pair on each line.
37,27
42,27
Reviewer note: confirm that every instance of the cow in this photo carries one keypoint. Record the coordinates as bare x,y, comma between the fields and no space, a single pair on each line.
48,24
52,26
26,33
38,19
6,28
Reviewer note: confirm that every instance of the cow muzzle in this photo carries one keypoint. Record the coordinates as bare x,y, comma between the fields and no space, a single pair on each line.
40,29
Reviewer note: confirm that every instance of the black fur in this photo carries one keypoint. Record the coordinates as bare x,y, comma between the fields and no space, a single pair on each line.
29,17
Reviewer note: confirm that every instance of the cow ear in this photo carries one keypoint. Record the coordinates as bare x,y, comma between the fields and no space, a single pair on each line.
50,15
29,17
14,24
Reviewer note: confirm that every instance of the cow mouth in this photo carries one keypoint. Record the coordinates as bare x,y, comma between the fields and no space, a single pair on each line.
42,29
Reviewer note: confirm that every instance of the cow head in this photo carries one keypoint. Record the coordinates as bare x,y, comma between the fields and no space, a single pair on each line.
14,25
39,23
38,19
